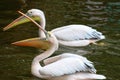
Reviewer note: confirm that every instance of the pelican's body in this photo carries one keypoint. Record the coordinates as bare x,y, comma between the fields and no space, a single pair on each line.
70,35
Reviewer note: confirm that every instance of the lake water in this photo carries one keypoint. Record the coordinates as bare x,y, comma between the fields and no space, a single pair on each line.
15,62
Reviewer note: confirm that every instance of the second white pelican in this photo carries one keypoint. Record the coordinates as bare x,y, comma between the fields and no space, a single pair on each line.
71,35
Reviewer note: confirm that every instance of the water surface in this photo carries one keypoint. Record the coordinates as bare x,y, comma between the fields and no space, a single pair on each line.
15,62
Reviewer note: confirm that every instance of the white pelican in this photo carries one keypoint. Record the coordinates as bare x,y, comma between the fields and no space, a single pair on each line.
71,35
66,66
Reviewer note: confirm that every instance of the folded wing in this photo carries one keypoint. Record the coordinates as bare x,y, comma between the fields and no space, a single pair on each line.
77,32
68,64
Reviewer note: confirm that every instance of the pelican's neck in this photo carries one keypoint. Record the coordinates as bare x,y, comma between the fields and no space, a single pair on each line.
43,24
36,67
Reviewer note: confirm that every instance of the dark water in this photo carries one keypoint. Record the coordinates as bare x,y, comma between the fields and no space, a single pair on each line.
102,15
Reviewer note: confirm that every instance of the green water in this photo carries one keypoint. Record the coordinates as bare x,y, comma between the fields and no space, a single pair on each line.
15,62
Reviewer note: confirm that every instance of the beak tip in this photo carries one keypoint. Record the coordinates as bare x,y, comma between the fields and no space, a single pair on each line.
4,29
13,43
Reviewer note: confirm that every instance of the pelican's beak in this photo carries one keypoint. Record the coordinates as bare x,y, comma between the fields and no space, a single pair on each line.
20,20
34,42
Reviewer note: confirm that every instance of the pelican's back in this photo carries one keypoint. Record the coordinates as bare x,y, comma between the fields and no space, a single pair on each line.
77,32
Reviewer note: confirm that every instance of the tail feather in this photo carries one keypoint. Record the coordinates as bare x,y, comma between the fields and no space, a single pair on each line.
102,37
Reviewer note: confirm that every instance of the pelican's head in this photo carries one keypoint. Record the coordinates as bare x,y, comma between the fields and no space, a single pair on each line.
35,14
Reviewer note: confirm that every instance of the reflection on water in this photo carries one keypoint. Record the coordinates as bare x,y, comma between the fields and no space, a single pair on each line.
103,15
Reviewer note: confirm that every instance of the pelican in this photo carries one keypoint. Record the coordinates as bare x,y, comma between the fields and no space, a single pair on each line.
71,35
67,66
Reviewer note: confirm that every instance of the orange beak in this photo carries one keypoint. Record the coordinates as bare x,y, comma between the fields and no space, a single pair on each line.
34,42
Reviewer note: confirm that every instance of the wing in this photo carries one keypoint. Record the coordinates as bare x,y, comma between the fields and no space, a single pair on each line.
77,32
66,65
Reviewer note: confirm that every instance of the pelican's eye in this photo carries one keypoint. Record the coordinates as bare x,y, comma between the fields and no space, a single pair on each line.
30,12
